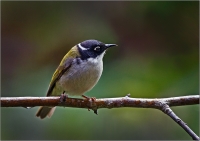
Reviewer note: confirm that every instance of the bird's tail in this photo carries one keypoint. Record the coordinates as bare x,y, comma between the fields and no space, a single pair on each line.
45,111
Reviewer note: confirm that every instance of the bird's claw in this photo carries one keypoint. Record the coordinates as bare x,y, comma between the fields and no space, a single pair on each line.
63,97
93,99
88,98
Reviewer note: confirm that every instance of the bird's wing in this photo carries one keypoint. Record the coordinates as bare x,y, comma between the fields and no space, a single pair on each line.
64,66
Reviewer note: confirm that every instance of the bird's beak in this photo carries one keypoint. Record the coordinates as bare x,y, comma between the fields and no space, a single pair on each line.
110,45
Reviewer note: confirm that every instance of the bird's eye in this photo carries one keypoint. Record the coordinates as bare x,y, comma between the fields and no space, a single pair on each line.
98,48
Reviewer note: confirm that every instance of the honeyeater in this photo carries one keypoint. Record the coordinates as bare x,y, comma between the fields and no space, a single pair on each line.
77,73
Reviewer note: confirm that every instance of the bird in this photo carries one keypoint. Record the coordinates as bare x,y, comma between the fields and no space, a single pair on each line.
78,72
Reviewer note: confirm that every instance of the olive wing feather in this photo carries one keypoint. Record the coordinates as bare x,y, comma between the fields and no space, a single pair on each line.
64,66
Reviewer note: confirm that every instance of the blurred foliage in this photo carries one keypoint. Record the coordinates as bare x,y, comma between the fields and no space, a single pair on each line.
157,56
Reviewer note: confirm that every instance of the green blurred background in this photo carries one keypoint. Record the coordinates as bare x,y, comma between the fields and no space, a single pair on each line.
157,57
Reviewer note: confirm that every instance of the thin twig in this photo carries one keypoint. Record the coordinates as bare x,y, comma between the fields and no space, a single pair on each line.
167,110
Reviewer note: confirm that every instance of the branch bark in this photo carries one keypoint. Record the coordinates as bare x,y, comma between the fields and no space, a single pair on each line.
162,104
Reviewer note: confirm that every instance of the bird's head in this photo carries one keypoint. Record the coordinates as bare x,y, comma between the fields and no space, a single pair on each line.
92,48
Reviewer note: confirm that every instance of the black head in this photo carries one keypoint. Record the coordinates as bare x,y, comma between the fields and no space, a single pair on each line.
92,48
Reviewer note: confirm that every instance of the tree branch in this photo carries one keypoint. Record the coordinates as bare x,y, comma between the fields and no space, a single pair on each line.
99,103
162,104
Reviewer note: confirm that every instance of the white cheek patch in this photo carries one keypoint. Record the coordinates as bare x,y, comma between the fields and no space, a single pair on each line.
81,47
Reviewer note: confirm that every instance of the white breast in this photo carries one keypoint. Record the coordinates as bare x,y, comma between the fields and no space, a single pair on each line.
82,76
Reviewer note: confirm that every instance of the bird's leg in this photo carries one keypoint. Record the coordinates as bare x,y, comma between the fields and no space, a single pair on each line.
63,97
93,100
88,98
